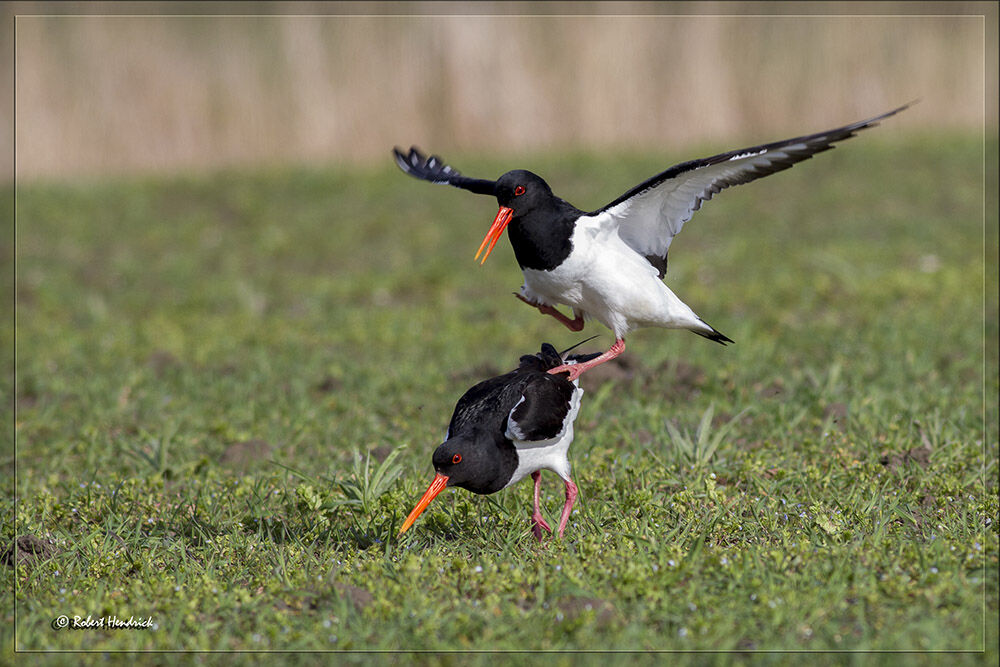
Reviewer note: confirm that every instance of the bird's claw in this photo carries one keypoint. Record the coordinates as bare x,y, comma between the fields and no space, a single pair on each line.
545,310
573,325
572,371
537,523
521,297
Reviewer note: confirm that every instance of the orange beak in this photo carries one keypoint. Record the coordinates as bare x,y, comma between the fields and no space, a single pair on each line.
500,223
436,487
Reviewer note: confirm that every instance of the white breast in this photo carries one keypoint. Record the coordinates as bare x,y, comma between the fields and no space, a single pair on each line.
607,280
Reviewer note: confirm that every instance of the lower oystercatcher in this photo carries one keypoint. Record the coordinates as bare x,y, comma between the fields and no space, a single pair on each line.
609,264
508,427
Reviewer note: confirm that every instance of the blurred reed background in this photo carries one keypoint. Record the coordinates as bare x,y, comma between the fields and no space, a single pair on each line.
105,95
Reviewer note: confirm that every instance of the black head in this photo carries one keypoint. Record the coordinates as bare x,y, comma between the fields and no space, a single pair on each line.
525,198
548,357
522,191
472,462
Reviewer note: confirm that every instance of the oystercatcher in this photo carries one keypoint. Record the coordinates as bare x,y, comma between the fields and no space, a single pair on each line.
609,264
508,427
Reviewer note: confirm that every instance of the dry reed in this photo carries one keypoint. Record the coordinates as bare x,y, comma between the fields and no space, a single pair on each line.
102,95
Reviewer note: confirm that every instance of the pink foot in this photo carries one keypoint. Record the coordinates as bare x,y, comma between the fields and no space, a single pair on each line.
568,507
576,370
537,522
573,325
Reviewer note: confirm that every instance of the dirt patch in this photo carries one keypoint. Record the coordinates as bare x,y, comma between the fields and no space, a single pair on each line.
925,514
919,455
26,401
837,411
328,385
644,437
722,418
27,550
161,362
27,394
25,296
241,454
358,597
773,390
604,612
381,452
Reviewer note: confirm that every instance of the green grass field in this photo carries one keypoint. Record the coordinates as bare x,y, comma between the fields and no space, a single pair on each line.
228,389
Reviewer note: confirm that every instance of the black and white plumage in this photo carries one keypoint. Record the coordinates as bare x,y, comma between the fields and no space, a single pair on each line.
608,264
508,427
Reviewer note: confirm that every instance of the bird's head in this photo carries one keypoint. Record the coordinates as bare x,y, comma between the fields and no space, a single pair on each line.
522,190
457,462
518,192
543,360
548,357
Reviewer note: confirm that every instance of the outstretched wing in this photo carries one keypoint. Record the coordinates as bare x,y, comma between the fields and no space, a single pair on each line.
649,215
547,405
433,170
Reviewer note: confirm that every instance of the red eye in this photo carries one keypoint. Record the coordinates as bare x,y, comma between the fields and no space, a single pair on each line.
519,190
457,458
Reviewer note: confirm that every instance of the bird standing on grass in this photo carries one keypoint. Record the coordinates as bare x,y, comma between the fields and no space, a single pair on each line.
609,264
508,427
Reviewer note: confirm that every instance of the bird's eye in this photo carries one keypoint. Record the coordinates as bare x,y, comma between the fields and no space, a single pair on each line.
457,458
519,190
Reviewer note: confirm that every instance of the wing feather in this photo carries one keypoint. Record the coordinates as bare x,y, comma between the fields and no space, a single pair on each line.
649,215
433,170
542,411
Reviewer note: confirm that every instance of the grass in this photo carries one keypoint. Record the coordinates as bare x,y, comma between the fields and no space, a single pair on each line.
228,390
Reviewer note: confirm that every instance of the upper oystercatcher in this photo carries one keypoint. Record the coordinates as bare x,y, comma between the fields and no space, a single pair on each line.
608,264
507,427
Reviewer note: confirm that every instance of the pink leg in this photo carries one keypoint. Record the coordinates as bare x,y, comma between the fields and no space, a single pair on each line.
576,370
537,522
568,507
572,325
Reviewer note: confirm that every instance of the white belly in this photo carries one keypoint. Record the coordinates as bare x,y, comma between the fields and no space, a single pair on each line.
605,279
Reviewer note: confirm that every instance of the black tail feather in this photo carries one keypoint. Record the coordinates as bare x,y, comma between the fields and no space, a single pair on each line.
716,336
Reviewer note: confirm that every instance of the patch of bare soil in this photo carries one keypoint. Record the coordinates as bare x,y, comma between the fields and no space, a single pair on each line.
242,454
27,550
918,455
604,612
774,389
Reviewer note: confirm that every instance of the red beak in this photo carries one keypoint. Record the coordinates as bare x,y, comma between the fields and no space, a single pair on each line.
436,487
500,223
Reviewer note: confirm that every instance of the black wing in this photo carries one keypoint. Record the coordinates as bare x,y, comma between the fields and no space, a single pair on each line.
546,405
433,170
649,215
486,404
527,404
